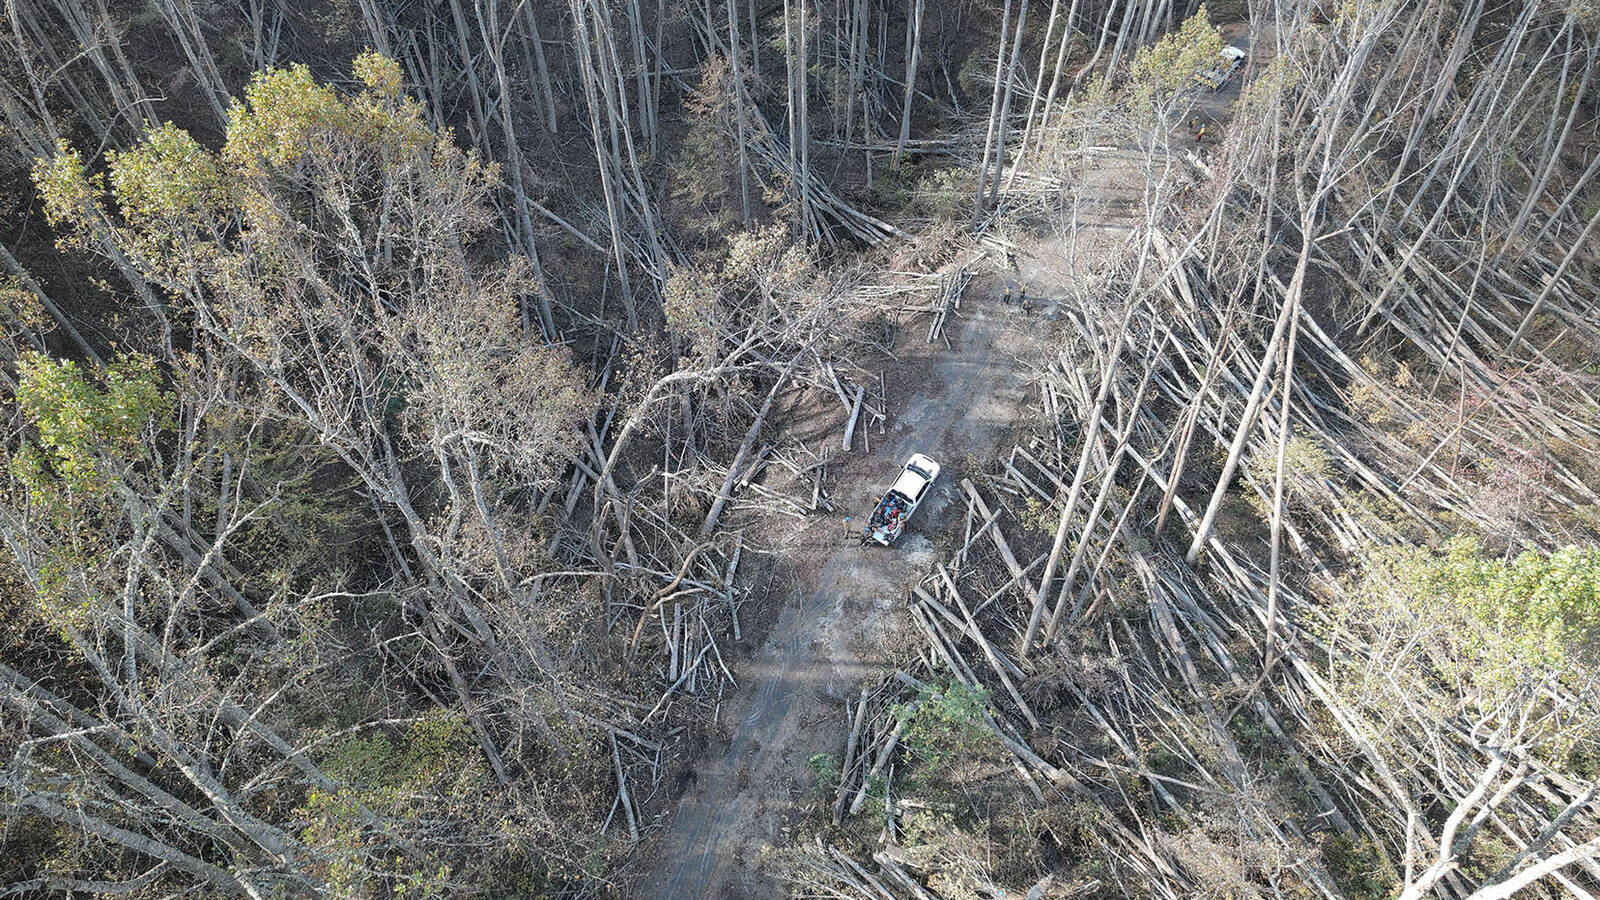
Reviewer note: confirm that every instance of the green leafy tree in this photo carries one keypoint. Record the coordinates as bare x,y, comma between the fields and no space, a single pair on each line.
1162,72
326,247
353,359
82,428
1504,621
945,725
74,463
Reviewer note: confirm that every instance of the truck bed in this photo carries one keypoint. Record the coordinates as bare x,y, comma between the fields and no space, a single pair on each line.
888,518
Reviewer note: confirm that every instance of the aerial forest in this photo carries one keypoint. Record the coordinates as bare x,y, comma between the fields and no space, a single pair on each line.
858,449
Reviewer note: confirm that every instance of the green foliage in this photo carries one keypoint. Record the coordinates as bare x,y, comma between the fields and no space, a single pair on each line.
766,255
1586,12
689,305
976,77
379,73
945,723
431,769
1037,515
1163,70
700,175
173,195
1359,866
285,112
826,767
85,432
436,754
699,300
1506,620
166,178
1306,465
79,423
358,186
20,308
954,857
943,195
1453,633
1080,819
70,193
1267,88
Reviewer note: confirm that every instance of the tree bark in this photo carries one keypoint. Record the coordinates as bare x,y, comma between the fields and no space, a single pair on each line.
913,56
980,200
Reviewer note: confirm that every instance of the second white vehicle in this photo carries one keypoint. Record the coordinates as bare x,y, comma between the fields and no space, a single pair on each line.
1230,59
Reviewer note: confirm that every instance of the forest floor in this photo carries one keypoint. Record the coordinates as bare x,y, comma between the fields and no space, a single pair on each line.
837,616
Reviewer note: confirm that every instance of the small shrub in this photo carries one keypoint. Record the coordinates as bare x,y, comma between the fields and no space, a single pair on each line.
1305,467
1515,486
946,723
826,767
942,195
1359,866
1037,516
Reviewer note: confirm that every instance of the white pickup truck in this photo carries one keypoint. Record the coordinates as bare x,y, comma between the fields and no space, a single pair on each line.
1230,59
889,517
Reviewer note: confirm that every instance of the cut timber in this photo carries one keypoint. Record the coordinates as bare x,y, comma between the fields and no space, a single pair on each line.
622,792
849,757
962,626
883,757
1169,256
950,286
855,416
988,649
744,450
888,859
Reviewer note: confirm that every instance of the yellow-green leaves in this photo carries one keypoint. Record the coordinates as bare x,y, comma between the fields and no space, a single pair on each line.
1277,80
428,769
82,429
294,150
20,307
378,72
766,254
1166,68
689,304
165,178
282,110
1510,619
761,260
169,183
70,194
77,422
286,115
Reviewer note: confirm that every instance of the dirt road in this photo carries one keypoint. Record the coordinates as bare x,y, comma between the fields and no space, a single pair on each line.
838,626
843,611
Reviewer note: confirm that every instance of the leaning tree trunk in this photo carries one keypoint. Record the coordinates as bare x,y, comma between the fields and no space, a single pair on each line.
979,203
913,56
1005,105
